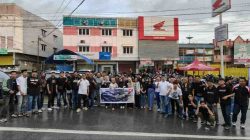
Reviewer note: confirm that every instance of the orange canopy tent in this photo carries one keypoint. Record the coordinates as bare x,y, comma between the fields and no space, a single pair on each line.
196,65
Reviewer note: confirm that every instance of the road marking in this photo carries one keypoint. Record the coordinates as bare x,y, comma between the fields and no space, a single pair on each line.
115,133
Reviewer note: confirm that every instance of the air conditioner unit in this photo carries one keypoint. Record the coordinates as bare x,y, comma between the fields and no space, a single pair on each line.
82,41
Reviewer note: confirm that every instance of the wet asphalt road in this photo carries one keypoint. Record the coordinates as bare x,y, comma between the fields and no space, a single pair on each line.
130,122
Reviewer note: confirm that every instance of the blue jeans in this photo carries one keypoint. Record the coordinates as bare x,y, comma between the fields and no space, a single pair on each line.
63,94
143,100
226,110
22,103
198,99
32,102
158,101
40,100
151,93
74,98
92,98
165,105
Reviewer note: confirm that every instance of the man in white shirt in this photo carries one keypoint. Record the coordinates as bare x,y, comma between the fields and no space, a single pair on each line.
22,94
164,88
83,92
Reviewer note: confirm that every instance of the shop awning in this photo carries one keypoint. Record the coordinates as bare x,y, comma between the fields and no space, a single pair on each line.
69,54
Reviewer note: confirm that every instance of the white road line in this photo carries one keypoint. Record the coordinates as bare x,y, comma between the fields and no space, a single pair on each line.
113,133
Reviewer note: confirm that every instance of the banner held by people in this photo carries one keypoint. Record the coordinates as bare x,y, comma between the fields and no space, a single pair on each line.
117,95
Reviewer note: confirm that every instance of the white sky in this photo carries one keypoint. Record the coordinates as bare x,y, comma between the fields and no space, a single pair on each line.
194,15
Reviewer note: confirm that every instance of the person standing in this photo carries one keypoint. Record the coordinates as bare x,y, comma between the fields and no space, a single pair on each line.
185,88
176,99
225,94
51,87
43,86
33,87
75,80
99,81
241,102
10,87
151,93
157,94
165,89
130,84
22,94
137,93
113,85
83,93
92,89
69,82
61,89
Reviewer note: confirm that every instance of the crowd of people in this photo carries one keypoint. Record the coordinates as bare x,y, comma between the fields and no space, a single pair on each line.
187,97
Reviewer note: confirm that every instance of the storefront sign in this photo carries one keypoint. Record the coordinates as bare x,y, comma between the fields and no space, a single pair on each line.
90,55
104,56
221,33
65,57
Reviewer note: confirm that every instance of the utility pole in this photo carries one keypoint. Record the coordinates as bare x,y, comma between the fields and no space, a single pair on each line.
38,48
221,54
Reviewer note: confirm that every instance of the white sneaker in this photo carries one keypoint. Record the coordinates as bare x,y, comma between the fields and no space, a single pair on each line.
234,124
113,109
43,109
242,126
49,109
106,107
78,110
3,120
158,110
85,108
40,111
121,107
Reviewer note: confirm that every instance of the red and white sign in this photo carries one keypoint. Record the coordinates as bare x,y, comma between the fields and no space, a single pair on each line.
158,28
220,6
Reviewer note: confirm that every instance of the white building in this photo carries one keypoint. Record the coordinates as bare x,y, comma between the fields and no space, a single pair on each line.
25,36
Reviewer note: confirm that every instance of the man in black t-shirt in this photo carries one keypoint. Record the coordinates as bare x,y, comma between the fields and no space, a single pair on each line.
61,90
205,114
198,89
75,79
225,94
33,90
51,87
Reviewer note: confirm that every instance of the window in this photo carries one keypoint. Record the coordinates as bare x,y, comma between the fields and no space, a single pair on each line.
127,50
43,47
83,31
83,49
107,32
127,32
107,49
44,32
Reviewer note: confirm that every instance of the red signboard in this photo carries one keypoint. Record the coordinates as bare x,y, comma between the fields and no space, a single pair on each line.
158,28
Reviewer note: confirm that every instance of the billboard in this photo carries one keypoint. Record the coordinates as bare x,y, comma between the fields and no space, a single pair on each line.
242,53
158,28
104,55
220,6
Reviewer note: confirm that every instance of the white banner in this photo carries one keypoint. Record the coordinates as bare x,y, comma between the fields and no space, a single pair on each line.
117,95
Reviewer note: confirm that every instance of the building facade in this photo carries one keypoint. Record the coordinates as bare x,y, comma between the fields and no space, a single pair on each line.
189,52
25,39
91,35
123,38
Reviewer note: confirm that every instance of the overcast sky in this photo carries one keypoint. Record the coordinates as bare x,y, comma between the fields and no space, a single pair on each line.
194,15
